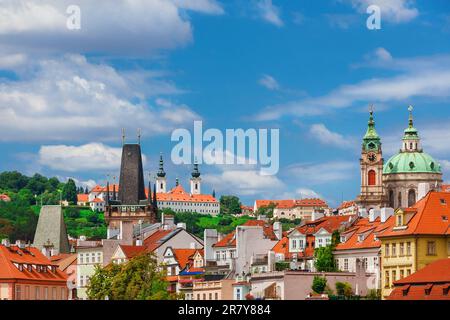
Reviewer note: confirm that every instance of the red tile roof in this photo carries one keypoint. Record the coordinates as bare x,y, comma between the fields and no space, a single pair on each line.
97,200
330,224
347,204
27,256
82,198
431,216
183,256
429,283
153,241
132,251
370,231
285,204
230,241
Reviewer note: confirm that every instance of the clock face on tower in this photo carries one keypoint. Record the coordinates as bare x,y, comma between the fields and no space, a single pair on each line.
372,157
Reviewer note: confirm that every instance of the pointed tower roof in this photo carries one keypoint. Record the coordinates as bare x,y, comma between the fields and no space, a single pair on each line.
132,189
161,173
195,173
371,139
51,229
411,133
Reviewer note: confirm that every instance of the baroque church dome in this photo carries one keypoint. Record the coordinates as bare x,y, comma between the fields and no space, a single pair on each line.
411,158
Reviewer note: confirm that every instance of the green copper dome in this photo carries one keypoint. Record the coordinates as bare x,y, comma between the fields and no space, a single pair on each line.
411,162
411,159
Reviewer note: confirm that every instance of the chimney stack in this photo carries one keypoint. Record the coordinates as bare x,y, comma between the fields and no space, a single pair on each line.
386,213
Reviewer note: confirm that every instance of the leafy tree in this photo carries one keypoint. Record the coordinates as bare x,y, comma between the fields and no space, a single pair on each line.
373,294
266,210
13,181
69,191
26,197
335,238
319,284
230,205
324,259
138,279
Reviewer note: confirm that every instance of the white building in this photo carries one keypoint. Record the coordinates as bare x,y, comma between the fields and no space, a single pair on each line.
360,243
88,257
294,209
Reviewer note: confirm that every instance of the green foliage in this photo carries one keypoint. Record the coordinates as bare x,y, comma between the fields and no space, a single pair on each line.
81,221
335,238
288,224
266,210
17,222
138,279
344,289
69,192
324,259
230,205
282,265
373,294
319,284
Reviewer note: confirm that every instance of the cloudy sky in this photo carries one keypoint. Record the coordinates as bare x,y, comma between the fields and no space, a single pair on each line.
308,68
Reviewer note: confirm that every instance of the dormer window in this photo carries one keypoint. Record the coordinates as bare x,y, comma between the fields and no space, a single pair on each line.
360,237
443,202
20,267
343,239
399,220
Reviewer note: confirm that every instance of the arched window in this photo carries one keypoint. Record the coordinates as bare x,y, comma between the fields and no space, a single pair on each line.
372,177
411,197
391,198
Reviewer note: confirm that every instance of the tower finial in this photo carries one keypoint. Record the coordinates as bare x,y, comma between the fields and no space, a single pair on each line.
161,173
139,135
411,121
123,136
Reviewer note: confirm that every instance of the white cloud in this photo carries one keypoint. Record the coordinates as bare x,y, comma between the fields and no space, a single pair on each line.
418,77
395,11
269,12
12,61
269,82
122,26
204,6
73,99
382,54
244,182
320,132
323,172
88,157
340,20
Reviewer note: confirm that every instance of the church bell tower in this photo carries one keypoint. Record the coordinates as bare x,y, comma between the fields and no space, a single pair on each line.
371,164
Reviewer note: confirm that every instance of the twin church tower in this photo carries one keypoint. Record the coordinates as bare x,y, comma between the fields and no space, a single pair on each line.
403,178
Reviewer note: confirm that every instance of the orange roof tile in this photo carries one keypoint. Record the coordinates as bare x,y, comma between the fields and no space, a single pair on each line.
437,271
132,251
284,204
431,216
82,197
230,241
153,241
29,256
183,256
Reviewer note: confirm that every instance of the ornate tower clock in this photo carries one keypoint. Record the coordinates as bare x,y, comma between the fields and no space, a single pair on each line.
371,163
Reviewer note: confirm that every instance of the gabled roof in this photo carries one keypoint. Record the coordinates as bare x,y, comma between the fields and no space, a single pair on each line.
156,239
132,251
29,256
430,216
180,195
230,241
330,224
436,272
429,283
82,197
183,256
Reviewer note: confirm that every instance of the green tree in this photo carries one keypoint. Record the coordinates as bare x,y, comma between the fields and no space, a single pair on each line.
230,205
324,259
266,210
138,279
69,191
319,284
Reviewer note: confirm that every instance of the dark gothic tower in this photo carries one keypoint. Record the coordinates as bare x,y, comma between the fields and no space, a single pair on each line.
131,206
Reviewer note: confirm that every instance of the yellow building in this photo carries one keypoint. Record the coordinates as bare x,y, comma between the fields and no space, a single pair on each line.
419,235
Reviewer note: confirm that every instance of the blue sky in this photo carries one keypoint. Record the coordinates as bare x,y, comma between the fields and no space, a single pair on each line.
309,68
